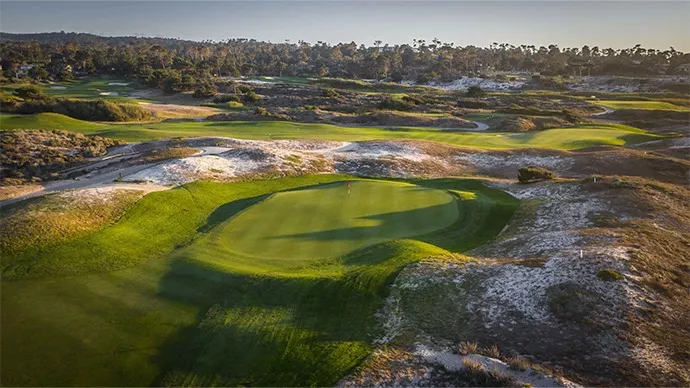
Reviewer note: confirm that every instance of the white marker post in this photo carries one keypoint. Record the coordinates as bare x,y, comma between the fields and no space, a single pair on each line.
580,253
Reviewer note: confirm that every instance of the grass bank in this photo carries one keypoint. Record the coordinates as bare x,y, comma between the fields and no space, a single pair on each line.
162,297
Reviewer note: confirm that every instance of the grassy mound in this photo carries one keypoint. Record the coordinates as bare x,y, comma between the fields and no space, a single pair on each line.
203,314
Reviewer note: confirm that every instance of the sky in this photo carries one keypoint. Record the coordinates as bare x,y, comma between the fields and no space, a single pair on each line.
617,24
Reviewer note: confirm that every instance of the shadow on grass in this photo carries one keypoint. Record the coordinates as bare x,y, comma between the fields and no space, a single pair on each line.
227,211
387,227
308,330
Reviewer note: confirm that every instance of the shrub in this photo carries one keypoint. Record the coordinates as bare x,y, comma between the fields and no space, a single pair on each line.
29,92
468,348
157,155
91,110
223,98
330,93
205,91
235,104
252,97
244,88
9,103
475,92
534,174
261,111
391,104
608,275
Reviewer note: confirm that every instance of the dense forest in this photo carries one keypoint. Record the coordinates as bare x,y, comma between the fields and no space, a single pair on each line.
177,65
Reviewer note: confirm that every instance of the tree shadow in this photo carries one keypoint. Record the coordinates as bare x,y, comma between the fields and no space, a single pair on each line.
227,211
276,329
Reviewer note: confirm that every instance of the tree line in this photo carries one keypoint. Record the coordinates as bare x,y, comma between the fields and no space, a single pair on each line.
175,65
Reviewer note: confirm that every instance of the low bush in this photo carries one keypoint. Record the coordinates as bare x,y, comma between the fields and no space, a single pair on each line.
168,153
223,98
475,92
205,91
608,275
29,92
531,174
28,154
330,93
391,104
252,97
90,110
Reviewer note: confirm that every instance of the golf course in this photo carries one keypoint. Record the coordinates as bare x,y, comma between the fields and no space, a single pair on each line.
269,282
579,136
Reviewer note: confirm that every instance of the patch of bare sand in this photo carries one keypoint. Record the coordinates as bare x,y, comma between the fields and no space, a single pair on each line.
537,291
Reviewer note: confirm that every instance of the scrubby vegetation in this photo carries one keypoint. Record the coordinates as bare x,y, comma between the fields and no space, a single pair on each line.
475,92
30,99
158,155
531,174
608,274
35,155
57,218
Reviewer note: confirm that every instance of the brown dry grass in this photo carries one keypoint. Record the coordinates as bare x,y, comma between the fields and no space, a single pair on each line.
658,238
158,155
7,192
175,111
57,218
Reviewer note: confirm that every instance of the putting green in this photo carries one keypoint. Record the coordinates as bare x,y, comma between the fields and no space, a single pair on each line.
333,220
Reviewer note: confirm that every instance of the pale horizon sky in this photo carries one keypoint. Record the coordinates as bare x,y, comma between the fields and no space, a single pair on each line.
618,24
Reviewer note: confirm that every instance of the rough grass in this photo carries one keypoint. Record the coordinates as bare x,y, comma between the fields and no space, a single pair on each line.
200,314
580,136
157,155
57,218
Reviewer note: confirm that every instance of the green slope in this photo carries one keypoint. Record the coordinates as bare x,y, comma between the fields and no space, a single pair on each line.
157,298
559,138
645,105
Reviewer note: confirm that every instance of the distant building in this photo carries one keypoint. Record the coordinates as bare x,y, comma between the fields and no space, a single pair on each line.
23,70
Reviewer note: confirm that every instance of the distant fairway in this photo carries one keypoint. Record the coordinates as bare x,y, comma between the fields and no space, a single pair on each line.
559,138
644,105
162,297
328,222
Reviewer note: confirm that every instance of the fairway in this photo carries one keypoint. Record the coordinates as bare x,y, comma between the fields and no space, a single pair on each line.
644,105
581,136
332,220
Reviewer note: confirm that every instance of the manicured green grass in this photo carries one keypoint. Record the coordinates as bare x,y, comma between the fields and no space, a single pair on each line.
161,297
645,105
559,138
331,221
